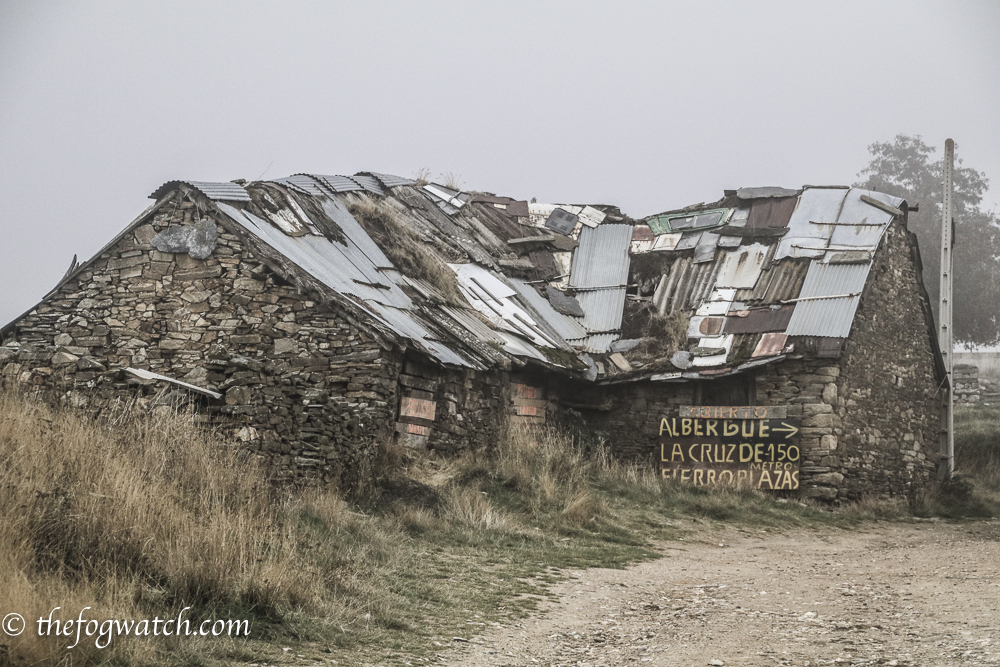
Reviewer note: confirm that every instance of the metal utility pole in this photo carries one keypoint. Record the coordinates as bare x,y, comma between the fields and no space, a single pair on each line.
947,465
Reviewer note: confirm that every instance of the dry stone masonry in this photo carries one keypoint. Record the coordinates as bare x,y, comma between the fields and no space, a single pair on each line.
279,317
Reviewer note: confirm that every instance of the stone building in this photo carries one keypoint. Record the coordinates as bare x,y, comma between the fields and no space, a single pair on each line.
313,316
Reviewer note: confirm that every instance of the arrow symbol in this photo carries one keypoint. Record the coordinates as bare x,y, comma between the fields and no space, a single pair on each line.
789,429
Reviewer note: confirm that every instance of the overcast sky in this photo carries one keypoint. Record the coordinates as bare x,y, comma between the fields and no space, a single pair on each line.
646,105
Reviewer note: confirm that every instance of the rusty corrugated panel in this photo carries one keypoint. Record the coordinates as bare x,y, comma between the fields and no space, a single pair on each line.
760,320
214,191
779,282
771,212
601,259
686,286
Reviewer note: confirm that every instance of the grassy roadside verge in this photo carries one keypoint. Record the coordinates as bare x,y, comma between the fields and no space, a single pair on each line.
142,516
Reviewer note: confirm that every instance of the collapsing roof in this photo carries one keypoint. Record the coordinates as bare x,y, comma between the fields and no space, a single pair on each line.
475,280
759,270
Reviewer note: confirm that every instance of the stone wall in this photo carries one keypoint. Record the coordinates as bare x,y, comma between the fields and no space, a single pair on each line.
869,419
304,383
886,416
461,408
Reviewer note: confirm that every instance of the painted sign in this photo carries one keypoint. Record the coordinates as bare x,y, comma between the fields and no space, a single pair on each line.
754,446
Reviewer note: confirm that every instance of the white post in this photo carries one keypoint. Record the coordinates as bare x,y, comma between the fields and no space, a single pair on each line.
947,465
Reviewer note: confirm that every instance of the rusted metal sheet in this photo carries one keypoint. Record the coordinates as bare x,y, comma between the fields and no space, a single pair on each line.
417,407
779,282
771,212
685,286
741,268
730,446
759,320
771,344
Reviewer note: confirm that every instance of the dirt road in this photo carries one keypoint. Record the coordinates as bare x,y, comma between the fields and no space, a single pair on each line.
888,594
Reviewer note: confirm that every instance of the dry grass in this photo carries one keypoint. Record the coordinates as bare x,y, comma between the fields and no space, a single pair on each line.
403,245
142,515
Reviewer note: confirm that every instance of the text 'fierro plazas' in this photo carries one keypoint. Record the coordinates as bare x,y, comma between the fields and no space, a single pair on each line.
757,450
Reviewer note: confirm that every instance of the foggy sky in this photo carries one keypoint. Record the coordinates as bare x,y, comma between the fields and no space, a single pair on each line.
646,105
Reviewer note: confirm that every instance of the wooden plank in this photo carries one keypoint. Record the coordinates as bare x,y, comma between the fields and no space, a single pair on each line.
534,402
416,407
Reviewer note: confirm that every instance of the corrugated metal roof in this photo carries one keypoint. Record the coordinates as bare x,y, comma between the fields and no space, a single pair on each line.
601,259
337,183
343,268
596,344
369,183
686,285
823,317
603,308
834,279
303,183
214,191
491,296
474,325
779,282
355,233
566,327
388,180
765,192
811,224
857,212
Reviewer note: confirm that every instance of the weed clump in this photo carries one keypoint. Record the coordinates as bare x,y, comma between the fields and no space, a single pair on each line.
404,246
